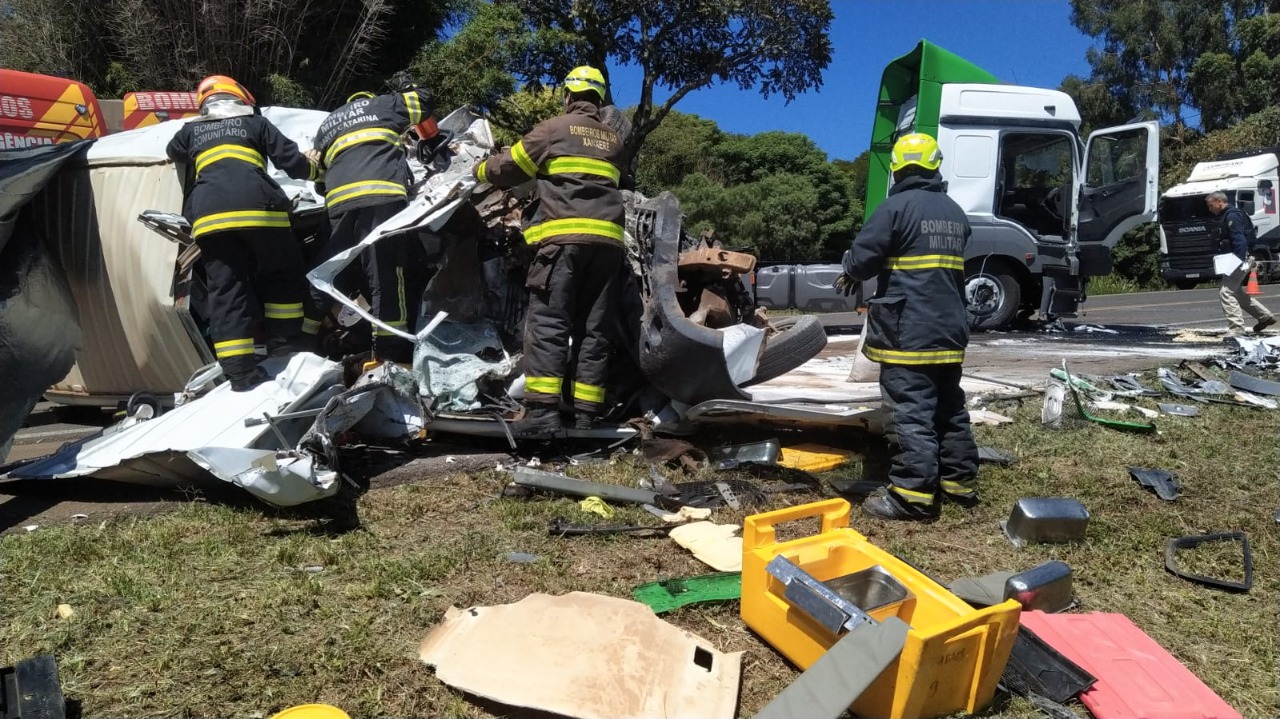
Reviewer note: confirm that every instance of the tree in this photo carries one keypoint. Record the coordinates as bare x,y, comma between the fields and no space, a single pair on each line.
1170,56
1098,107
680,146
318,50
777,46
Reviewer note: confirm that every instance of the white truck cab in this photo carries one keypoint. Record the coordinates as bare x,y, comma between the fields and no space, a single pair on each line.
1046,205
1189,232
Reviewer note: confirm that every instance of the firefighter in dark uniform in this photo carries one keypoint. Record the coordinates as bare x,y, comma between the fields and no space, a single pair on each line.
577,232
240,221
917,329
367,179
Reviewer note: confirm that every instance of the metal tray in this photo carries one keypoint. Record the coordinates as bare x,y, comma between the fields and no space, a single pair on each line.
1046,588
1050,520
871,588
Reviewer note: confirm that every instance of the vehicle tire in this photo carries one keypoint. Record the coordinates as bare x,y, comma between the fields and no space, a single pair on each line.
798,340
1186,284
992,296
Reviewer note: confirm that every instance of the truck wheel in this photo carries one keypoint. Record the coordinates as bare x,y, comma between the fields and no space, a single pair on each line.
797,341
992,297
1186,284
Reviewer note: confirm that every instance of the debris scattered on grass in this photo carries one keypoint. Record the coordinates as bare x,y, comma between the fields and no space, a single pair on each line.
583,655
713,544
65,611
521,557
595,505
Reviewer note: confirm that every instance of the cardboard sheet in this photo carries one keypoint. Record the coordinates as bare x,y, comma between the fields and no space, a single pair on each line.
583,655
713,544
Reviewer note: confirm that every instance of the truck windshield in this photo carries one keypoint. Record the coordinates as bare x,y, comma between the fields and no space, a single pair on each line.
1179,209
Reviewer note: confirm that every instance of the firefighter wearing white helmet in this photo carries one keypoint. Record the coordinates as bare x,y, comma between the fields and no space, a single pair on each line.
917,329
576,232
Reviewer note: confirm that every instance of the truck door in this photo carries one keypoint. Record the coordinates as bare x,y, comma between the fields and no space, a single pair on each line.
1121,183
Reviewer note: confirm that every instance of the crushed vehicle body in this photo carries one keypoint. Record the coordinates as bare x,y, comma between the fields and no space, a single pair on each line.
687,331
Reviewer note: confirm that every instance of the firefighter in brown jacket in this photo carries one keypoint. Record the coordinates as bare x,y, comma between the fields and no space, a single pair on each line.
577,231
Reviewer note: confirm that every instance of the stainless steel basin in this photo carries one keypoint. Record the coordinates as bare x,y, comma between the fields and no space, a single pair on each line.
871,588
1051,520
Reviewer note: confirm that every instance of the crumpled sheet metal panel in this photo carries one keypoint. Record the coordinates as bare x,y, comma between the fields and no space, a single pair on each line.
121,275
165,450
39,332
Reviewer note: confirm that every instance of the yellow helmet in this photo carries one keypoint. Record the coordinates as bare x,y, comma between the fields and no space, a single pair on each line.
357,95
916,149
585,78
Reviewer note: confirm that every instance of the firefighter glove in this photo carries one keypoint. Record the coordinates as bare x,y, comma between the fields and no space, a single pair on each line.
845,285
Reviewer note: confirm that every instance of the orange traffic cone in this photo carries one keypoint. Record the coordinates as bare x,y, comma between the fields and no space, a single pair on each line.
1252,288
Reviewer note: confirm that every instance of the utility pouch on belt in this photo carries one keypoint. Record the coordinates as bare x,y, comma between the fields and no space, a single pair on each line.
540,270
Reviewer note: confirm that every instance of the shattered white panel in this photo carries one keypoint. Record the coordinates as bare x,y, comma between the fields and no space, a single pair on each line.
742,345
211,432
454,357
434,202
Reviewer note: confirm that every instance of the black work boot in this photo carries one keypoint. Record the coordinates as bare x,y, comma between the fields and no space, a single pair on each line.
538,423
1263,323
885,504
245,381
584,421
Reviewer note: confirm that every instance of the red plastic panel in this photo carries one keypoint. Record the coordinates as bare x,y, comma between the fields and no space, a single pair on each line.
1137,678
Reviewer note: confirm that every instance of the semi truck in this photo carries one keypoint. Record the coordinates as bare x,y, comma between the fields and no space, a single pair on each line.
1046,204
1189,232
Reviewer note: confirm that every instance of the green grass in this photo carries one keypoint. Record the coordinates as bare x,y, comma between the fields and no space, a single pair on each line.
1114,285
210,611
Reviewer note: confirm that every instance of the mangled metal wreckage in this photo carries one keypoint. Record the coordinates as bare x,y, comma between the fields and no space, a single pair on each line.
688,341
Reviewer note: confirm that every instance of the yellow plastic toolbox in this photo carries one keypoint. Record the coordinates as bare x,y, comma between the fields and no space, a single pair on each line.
954,654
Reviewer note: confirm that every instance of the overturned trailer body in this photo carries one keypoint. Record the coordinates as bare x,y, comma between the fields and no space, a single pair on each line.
687,340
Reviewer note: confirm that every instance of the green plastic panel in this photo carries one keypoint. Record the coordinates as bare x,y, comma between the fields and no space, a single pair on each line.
921,73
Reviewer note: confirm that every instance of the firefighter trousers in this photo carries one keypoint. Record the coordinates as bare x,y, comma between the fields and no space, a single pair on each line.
250,273
571,295
928,432
388,276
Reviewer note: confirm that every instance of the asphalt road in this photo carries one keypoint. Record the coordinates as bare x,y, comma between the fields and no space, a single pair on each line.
1172,308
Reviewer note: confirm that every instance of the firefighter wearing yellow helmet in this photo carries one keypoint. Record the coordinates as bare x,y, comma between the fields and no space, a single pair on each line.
917,329
576,232
362,148
240,220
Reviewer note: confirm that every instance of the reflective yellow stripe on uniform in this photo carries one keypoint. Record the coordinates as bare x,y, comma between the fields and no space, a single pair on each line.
959,487
573,226
543,385
522,159
229,152
356,137
913,496
310,326
233,348
584,165
912,357
482,172
588,392
366,188
414,107
926,262
291,311
393,324
239,219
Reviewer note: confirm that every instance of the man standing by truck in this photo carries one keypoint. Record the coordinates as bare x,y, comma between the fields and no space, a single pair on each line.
1238,236
917,329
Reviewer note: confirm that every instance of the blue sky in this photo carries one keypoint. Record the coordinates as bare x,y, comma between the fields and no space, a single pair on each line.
1026,42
